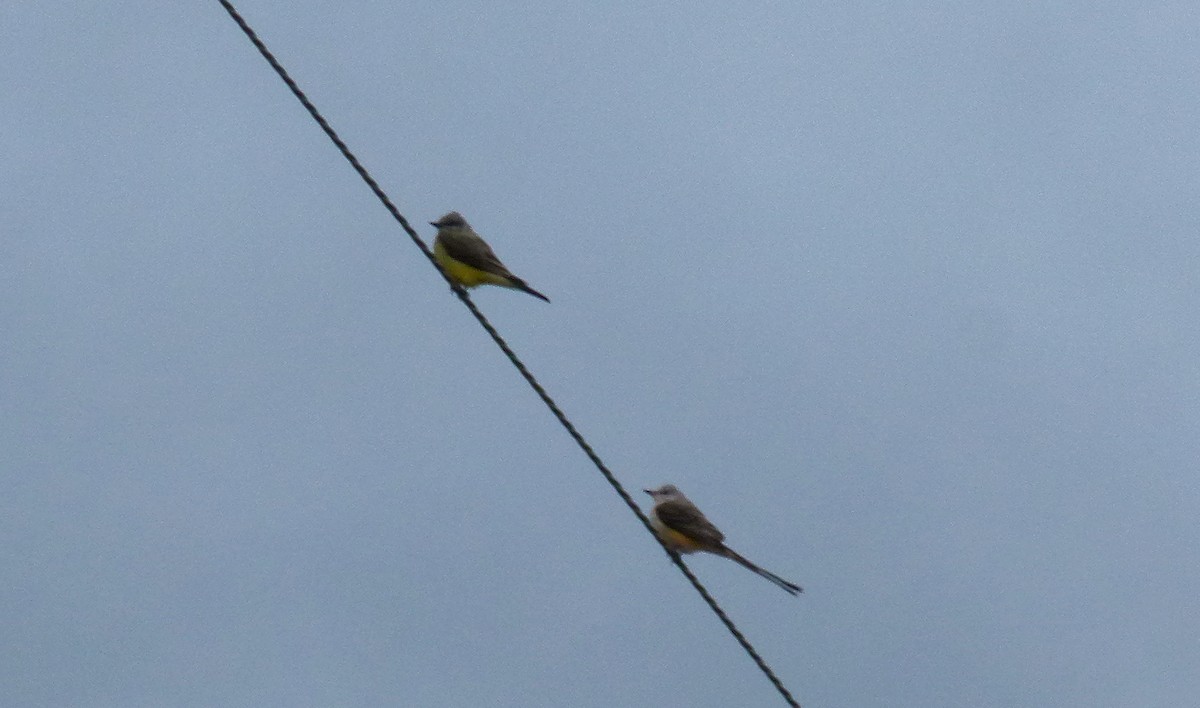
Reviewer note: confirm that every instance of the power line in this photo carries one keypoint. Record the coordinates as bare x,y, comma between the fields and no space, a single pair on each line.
512,356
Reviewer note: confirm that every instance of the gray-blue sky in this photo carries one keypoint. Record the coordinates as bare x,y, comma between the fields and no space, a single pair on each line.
904,297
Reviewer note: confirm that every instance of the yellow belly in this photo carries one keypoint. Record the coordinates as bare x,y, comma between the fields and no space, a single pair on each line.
463,274
674,539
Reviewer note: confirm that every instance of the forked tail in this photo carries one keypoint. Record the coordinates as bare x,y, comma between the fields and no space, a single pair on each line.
524,287
792,588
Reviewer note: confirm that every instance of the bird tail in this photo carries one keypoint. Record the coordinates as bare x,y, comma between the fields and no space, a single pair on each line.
524,287
792,588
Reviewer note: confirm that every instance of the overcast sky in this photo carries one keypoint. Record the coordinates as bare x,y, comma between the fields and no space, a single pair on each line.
904,297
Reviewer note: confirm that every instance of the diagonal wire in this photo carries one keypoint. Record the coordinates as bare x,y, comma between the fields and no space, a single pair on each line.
500,342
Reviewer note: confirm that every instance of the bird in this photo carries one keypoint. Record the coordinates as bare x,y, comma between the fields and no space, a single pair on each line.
684,529
467,258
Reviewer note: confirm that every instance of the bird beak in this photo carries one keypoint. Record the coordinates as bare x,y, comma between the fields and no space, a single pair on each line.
433,223
648,492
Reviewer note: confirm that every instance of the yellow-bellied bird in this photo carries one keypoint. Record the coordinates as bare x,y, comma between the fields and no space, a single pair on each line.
467,258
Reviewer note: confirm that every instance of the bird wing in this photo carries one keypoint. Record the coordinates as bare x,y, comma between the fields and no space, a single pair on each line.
470,249
688,520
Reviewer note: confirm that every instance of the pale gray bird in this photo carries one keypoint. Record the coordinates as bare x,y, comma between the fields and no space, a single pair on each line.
467,258
684,529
